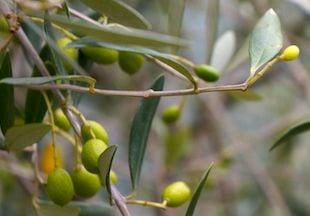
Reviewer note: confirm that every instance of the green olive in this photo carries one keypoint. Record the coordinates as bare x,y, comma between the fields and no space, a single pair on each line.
61,120
92,129
207,73
86,184
59,187
176,194
130,62
72,53
171,114
101,55
91,152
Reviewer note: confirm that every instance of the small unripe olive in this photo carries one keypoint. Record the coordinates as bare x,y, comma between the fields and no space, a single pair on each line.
290,53
72,53
130,62
4,26
91,152
207,73
101,55
92,129
113,177
61,120
85,184
171,114
59,187
176,194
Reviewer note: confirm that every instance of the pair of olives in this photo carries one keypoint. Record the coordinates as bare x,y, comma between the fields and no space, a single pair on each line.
61,186
129,62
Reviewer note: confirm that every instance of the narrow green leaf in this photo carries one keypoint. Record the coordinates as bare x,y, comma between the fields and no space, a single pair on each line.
35,107
7,107
175,18
49,209
105,163
116,35
66,8
43,80
266,40
19,137
140,130
93,209
195,198
74,208
239,57
213,10
119,12
168,59
54,58
293,131
35,29
224,49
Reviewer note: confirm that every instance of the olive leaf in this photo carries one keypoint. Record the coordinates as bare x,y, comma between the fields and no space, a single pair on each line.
114,35
266,40
19,137
119,12
43,80
241,55
54,58
224,49
49,209
196,195
175,18
52,45
293,131
74,208
35,107
140,130
105,163
212,16
7,107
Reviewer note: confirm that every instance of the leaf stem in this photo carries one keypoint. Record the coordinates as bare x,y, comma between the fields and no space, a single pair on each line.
162,205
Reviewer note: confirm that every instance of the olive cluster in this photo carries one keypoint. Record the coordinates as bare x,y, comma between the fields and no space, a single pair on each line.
84,180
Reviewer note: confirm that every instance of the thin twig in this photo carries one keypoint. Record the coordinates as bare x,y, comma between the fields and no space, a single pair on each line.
146,93
83,17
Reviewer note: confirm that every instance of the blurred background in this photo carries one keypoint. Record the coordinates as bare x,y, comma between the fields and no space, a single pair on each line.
235,130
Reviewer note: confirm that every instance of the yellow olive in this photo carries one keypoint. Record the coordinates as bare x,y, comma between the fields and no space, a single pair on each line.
176,194
290,53
47,161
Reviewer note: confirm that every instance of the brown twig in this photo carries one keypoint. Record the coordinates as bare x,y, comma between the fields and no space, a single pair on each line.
145,93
